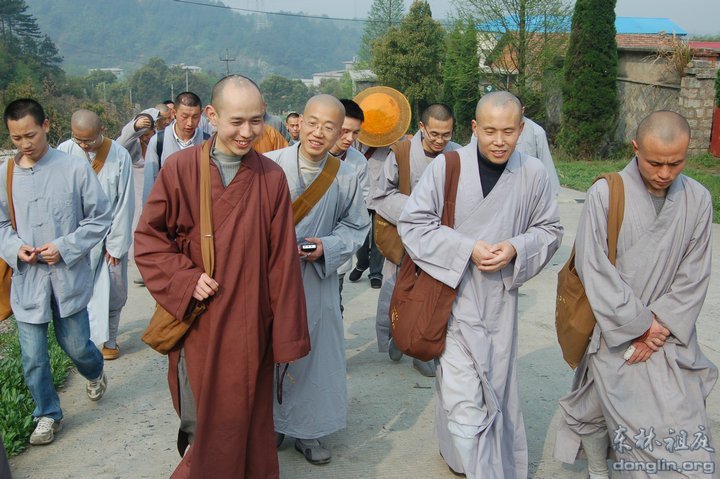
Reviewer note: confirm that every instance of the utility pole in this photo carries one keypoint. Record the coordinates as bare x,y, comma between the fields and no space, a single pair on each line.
227,61
187,88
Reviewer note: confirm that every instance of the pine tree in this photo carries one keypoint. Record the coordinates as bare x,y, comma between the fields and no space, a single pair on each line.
409,58
461,75
383,15
590,103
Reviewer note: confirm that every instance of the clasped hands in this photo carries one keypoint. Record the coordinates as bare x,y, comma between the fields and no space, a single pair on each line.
489,258
47,253
650,342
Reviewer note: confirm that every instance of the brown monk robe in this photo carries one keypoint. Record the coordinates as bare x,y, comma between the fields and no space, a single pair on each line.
270,140
257,316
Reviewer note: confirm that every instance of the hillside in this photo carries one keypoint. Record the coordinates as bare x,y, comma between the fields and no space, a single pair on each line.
126,33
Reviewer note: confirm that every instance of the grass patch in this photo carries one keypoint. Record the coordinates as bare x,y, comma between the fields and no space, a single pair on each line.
579,175
16,403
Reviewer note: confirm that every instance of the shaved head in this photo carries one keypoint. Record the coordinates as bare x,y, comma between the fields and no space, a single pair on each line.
85,120
235,83
320,126
326,101
162,108
499,99
666,126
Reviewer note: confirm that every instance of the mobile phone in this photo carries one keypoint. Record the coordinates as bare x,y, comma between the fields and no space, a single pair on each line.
308,247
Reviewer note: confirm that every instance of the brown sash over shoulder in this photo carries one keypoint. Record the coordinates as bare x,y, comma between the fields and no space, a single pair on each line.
101,155
420,306
385,233
5,269
165,330
317,189
574,318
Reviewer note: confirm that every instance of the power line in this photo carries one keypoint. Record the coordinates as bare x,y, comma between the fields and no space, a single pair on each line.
281,14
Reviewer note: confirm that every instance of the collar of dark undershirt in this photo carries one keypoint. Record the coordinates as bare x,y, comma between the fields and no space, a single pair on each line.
482,159
430,154
342,155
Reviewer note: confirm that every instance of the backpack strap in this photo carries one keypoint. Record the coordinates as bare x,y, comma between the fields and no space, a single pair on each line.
159,146
402,156
616,211
452,178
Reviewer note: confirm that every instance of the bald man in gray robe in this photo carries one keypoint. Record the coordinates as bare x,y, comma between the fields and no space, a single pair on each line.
506,229
642,385
314,401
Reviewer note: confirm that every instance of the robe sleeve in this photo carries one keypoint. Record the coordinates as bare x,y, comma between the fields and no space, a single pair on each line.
169,274
541,238
348,234
119,237
620,315
544,155
10,242
128,137
287,298
97,215
152,167
388,200
679,308
364,180
440,251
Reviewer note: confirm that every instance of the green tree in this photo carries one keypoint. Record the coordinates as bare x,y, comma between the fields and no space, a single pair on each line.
590,103
383,15
409,58
461,74
342,88
283,94
25,52
519,37
150,84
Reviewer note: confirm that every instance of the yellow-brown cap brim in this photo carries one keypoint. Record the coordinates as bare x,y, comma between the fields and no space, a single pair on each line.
387,116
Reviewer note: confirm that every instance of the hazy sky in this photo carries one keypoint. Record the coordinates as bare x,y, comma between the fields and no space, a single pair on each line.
696,16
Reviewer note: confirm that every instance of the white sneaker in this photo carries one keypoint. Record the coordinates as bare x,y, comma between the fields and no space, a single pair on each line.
96,388
45,430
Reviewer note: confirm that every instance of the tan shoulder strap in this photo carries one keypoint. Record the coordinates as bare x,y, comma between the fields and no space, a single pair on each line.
616,211
312,194
207,241
402,156
101,155
9,179
452,178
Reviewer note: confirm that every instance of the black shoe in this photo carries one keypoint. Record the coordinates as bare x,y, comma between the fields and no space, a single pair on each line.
355,275
376,283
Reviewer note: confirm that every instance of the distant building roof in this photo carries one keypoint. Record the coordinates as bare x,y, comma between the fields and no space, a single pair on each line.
705,45
623,25
647,26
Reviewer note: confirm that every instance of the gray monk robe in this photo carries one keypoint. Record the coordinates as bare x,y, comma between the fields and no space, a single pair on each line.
663,267
315,390
477,401
389,203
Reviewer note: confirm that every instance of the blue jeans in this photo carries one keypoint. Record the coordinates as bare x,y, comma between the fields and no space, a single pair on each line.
73,334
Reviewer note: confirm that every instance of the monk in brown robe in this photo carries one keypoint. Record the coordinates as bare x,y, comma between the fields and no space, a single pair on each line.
221,373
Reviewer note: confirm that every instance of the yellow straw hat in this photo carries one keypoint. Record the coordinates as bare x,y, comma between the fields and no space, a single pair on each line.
387,116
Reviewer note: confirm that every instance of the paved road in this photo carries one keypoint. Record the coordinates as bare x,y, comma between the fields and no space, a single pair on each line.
130,433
